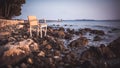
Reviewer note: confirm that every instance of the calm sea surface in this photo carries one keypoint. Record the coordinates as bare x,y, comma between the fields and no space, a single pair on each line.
111,28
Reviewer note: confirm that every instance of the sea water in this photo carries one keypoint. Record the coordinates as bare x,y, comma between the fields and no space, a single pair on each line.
111,29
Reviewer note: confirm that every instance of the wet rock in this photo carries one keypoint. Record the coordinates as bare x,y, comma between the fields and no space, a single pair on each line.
115,29
114,46
99,57
97,38
65,25
68,36
71,31
82,31
92,55
98,32
56,43
106,52
61,29
80,42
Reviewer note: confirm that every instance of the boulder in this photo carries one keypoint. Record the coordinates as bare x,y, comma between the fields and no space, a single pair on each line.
115,47
80,42
68,36
61,29
17,51
97,38
97,32
71,31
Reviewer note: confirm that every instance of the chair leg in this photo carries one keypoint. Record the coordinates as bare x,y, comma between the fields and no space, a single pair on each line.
30,32
38,30
45,31
41,32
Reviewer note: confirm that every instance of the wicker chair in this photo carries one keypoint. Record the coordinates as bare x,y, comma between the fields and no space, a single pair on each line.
36,26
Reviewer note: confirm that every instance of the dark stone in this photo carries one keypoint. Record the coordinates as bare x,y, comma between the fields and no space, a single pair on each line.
115,47
98,32
97,38
71,31
80,42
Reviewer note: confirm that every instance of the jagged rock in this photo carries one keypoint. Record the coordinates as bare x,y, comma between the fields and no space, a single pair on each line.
30,61
57,53
93,56
115,47
68,36
61,34
17,51
97,38
98,32
106,52
71,31
82,41
56,43
99,57
3,41
41,54
61,29
23,65
48,46
58,34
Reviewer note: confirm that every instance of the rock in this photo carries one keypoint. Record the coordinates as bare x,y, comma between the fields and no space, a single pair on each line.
30,61
44,42
97,38
17,51
58,34
92,55
9,66
61,34
3,41
114,46
57,53
101,57
65,25
10,39
82,41
48,47
71,31
106,52
20,26
68,36
55,43
41,54
23,65
61,29
115,29
98,32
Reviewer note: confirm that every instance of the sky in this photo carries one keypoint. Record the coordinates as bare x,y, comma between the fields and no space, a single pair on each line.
72,9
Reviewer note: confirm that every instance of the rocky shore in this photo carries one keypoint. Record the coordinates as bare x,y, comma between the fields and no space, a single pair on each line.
19,50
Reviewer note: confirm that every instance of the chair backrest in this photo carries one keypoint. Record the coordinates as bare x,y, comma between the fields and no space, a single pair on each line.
32,20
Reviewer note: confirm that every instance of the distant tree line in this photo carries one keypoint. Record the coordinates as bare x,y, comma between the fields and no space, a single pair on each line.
10,8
